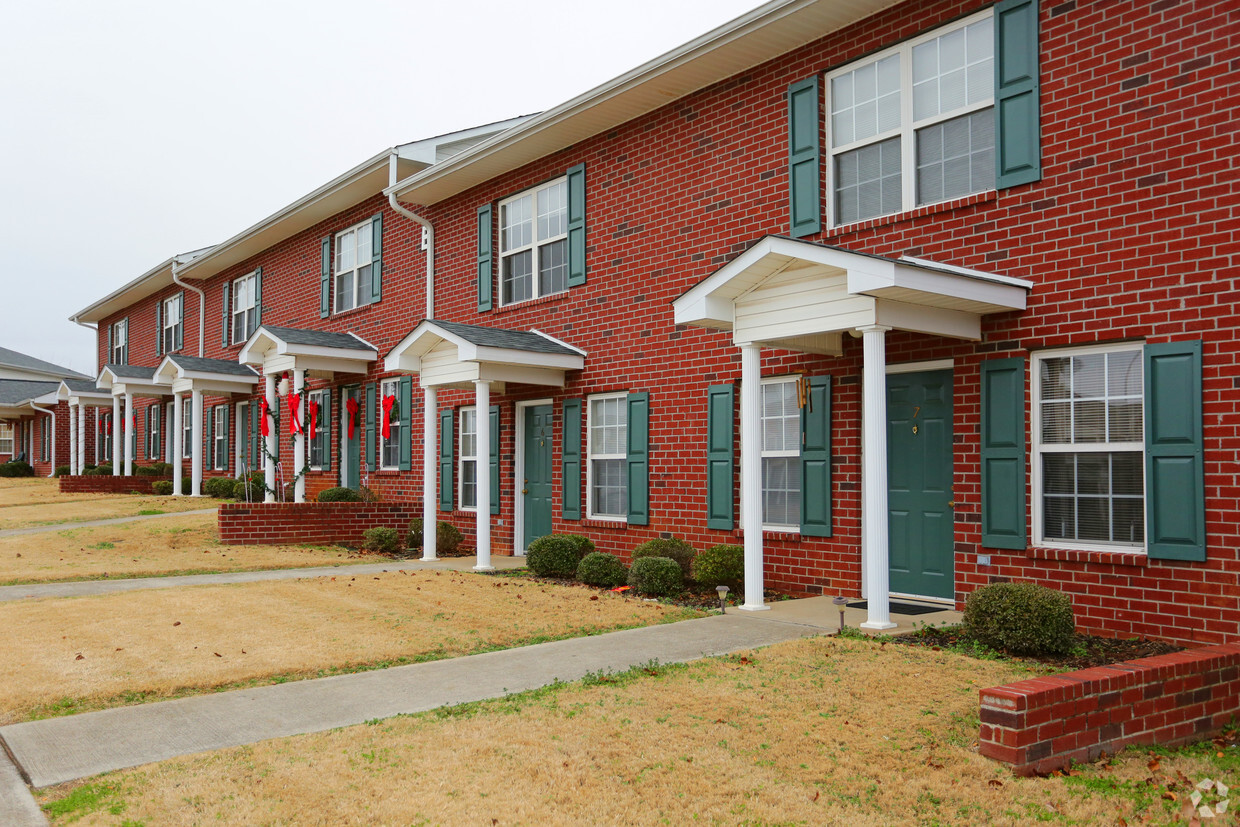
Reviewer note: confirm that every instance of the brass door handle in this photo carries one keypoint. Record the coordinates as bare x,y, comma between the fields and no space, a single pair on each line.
525,490
952,504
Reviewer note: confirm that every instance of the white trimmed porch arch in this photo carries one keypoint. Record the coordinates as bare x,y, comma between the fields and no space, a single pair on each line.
795,295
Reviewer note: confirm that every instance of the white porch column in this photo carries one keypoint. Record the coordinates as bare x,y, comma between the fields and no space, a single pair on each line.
238,446
430,442
116,436
129,435
195,456
178,447
73,439
98,441
270,446
52,471
751,474
300,444
874,477
482,420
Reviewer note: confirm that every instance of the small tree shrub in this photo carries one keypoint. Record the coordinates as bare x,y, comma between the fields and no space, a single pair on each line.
656,577
219,487
557,555
146,471
447,536
1021,619
599,569
339,495
381,540
62,470
16,469
673,548
162,469
99,471
187,485
162,487
253,484
721,565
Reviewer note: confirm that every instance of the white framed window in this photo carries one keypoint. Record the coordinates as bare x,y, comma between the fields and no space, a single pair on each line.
169,434
1089,448
172,316
352,267
150,433
913,125
107,438
219,437
120,343
45,440
606,451
320,445
244,307
467,475
187,427
389,449
781,455
533,241
6,438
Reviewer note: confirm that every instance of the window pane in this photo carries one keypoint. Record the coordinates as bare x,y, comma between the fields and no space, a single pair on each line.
517,277
469,484
866,101
868,182
363,242
553,267
1094,497
363,285
469,433
608,491
553,211
346,247
516,226
953,71
781,491
344,291
956,158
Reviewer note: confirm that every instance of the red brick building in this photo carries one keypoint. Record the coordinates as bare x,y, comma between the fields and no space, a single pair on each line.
35,411
937,292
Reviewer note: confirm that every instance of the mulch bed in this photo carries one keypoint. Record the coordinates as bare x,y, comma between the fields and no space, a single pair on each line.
1098,651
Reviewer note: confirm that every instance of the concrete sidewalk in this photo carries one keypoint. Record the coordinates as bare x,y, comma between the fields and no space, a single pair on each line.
43,529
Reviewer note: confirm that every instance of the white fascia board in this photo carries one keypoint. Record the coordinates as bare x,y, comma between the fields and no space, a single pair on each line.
967,272
49,398
985,294
506,356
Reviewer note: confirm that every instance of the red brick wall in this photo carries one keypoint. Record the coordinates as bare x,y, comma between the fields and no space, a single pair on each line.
1043,724
309,523
106,485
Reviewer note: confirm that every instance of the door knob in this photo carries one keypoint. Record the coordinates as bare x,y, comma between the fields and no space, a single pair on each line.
952,504
525,490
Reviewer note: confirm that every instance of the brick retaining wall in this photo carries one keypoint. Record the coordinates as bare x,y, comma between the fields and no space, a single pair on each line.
1041,724
107,485
310,523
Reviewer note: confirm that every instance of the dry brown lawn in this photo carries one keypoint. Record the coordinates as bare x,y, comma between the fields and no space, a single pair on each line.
144,548
25,503
89,652
819,731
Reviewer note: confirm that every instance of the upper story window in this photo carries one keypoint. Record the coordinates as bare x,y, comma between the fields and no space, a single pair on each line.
119,343
533,237
244,307
468,494
915,124
607,437
172,331
353,266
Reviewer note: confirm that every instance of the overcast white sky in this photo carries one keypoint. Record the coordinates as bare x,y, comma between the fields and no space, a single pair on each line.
131,130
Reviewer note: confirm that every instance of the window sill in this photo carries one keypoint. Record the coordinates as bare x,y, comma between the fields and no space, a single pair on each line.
338,313
614,525
909,215
554,297
1067,555
773,535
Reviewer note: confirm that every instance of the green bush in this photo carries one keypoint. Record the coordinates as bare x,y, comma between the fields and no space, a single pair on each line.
339,495
219,487
557,555
656,576
599,569
146,471
104,470
721,565
381,540
254,482
16,469
672,548
62,470
447,536
1021,619
162,487
162,469
187,485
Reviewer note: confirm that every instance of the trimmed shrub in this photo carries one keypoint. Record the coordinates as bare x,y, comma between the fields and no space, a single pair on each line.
1021,619
672,548
162,487
721,565
557,555
381,540
16,469
656,576
254,482
104,470
163,469
219,487
62,470
447,536
146,471
599,569
339,495
187,485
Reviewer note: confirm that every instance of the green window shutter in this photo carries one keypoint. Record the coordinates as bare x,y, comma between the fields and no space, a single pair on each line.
325,278
1003,453
325,425
405,400
376,258
486,276
816,459
447,449
227,439
638,458
178,332
570,461
494,459
209,453
1018,133
1175,510
577,225
159,328
720,456
108,358
804,161
258,298
368,434
227,318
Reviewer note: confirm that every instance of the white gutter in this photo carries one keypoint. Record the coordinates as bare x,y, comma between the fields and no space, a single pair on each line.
202,308
430,236
53,415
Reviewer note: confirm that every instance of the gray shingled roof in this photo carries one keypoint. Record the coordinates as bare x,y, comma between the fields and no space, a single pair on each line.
11,358
201,365
82,386
316,338
16,391
509,339
131,371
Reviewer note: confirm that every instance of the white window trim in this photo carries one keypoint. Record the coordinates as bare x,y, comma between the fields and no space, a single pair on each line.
170,342
218,435
251,277
187,427
908,128
461,459
120,349
394,384
320,430
357,266
6,428
591,456
1036,450
535,245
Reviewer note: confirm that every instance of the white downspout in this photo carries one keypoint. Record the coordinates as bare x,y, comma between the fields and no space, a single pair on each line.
430,237
202,309
53,439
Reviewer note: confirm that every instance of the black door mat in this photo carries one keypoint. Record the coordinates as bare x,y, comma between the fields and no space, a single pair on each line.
904,608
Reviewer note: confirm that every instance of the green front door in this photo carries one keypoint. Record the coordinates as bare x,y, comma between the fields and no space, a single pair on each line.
351,446
919,483
536,490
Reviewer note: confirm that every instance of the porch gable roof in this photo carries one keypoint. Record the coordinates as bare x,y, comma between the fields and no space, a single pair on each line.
454,354
278,349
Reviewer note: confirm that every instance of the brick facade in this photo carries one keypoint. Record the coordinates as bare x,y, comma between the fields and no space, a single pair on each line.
320,524
107,484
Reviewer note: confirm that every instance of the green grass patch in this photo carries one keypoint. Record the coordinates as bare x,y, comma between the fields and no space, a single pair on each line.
87,799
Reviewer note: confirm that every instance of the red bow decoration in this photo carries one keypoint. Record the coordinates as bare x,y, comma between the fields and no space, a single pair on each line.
264,412
353,408
294,407
389,402
314,420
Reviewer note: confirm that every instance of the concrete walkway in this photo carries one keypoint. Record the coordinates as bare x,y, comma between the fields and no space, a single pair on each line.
42,529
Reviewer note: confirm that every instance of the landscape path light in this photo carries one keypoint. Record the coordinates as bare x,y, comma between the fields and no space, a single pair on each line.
723,596
840,602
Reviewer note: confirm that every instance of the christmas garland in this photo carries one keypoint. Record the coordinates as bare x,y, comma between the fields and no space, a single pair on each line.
268,411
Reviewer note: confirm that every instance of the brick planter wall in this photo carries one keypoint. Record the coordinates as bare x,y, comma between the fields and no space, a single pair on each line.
310,523
107,485
1041,724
